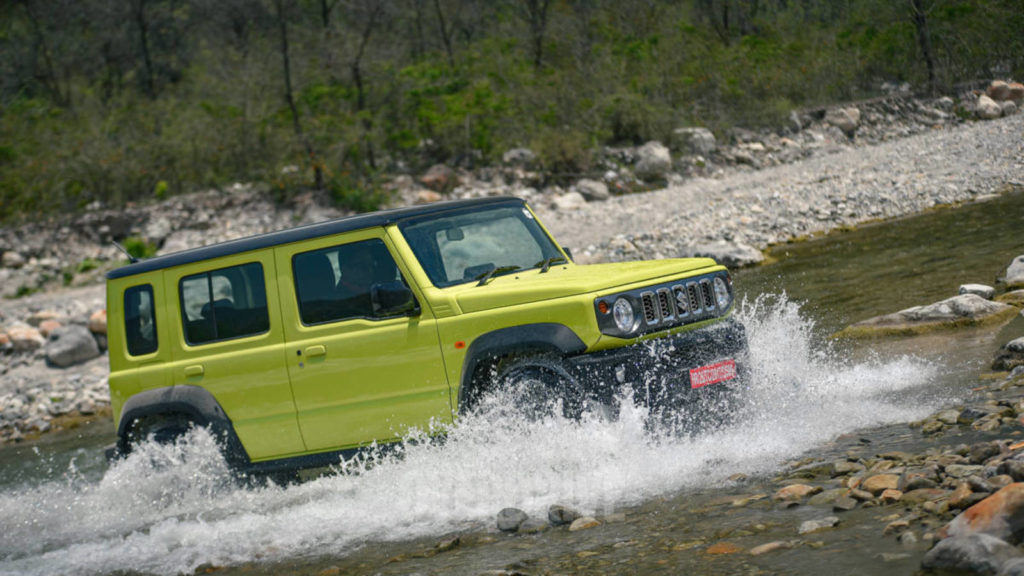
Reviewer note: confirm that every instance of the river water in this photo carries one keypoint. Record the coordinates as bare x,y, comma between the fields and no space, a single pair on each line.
175,509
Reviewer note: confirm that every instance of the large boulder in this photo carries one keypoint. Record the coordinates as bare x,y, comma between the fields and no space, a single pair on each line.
972,554
696,141
846,119
998,90
522,157
1014,277
1016,92
1001,515
731,254
987,108
71,345
440,178
593,190
654,161
956,312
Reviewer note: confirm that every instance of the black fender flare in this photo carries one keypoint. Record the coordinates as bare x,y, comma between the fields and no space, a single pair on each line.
195,403
541,337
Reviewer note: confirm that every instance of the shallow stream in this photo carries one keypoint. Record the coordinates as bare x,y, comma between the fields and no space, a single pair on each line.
168,510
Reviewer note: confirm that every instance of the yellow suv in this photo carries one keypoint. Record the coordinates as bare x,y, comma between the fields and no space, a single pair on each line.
298,346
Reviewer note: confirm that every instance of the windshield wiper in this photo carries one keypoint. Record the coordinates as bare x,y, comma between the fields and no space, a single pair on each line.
546,263
485,276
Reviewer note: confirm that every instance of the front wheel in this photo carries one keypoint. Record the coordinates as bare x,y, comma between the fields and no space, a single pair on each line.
541,387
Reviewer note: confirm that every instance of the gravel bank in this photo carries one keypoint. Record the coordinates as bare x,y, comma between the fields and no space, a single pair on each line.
816,195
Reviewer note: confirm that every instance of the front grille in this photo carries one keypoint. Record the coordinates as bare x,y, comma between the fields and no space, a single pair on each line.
682,300
650,311
691,290
709,294
665,304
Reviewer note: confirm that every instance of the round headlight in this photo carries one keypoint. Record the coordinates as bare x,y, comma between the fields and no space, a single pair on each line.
625,317
721,293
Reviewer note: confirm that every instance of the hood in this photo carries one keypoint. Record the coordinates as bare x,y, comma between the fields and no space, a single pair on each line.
561,281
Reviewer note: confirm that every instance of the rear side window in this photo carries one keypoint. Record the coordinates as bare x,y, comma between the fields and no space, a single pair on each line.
224,304
140,320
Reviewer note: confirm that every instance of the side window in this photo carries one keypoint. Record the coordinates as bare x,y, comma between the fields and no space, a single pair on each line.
347,281
222,304
140,320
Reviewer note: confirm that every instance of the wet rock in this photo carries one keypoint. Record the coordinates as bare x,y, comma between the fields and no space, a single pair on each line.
896,527
71,345
972,553
880,482
986,292
795,492
558,515
1012,468
827,497
1014,276
958,311
653,161
963,470
891,496
1010,355
731,254
1013,567
845,468
908,539
981,452
694,141
987,108
533,526
770,547
961,498
810,526
1000,515
844,504
593,190
949,416
509,519
922,495
583,523
1013,298
722,548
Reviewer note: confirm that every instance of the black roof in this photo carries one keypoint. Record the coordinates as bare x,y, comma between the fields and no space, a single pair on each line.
317,230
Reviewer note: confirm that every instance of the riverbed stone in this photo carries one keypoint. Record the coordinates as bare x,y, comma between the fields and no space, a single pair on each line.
1013,298
971,554
583,523
963,470
922,495
731,254
558,515
509,519
845,468
1010,355
982,451
770,547
593,190
694,141
986,292
795,492
827,497
959,311
880,482
533,526
71,345
25,338
1013,468
987,109
809,526
844,504
1000,515
1014,276
569,201
846,119
948,416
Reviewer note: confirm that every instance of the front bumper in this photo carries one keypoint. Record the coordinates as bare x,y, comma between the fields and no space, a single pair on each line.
658,371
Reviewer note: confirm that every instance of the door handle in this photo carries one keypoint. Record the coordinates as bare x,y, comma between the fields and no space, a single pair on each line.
318,350
191,371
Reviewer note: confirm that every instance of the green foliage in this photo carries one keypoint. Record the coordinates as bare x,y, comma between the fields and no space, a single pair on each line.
91,264
139,247
83,118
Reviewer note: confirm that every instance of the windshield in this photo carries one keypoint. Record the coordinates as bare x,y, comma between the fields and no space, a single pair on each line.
460,247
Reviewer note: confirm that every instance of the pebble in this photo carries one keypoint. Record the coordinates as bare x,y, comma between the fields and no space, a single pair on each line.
584,523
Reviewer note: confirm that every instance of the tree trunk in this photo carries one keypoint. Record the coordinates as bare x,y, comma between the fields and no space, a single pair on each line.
140,21
283,26
357,78
924,41
446,35
537,15
48,77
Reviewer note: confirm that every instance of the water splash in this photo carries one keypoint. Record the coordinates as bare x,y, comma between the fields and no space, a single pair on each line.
173,508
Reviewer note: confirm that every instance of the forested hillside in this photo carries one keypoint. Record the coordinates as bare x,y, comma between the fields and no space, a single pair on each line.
121,100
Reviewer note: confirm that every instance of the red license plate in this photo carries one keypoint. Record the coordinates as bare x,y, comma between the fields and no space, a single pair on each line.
712,374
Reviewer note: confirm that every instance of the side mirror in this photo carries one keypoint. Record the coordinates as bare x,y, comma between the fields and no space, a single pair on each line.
568,253
393,299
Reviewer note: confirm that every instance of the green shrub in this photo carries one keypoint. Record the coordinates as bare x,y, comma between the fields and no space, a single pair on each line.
140,248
